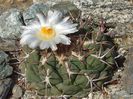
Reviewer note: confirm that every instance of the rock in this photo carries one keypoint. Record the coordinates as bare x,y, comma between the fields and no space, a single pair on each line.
30,14
5,87
83,3
36,1
17,92
5,69
118,12
67,7
8,45
3,57
128,74
121,95
10,23
112,12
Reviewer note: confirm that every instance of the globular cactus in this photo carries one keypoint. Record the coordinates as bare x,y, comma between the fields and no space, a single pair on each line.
72,70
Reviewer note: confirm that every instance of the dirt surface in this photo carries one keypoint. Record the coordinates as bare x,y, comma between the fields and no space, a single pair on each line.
8,4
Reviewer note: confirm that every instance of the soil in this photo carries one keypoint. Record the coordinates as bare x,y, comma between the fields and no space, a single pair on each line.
8,4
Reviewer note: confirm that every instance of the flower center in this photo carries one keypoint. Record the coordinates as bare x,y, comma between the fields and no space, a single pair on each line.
46,33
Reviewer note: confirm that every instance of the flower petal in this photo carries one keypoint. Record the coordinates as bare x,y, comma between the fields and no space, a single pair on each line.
50,13
41,18
34,44
66,28
54,21
68,31
26,39
29,32
44,45
65,40
54,17
34,25
53,47
65,19
56,40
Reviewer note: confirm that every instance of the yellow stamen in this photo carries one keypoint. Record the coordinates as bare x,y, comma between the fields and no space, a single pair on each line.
46,33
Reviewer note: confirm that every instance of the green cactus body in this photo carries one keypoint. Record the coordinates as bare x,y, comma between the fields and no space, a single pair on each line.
61,74
71,76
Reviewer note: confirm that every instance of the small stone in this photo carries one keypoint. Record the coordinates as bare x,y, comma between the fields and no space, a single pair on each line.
5,86
17,91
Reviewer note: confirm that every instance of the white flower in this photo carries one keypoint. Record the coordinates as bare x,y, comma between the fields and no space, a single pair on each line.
48,31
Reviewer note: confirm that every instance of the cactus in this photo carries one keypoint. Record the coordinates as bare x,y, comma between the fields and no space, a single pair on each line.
73,70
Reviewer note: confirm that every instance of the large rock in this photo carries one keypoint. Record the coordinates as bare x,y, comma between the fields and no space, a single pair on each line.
88,3
67,7
119,13
5,69
128,74
30,14
10,23
5,87
121,95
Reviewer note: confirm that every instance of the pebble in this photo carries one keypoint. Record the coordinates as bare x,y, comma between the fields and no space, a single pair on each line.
17,92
